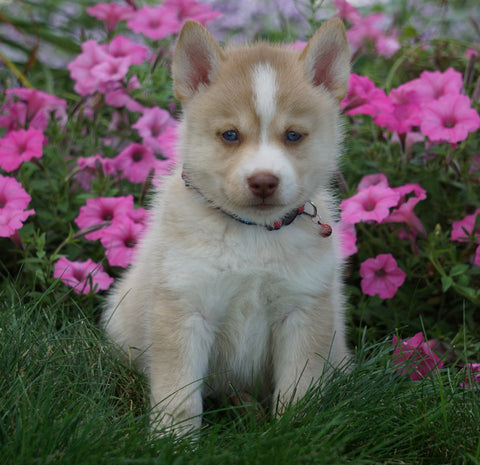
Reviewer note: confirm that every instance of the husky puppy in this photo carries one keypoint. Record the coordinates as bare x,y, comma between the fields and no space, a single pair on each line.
237,286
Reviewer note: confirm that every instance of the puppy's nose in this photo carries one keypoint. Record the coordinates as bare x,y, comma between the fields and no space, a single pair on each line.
263,185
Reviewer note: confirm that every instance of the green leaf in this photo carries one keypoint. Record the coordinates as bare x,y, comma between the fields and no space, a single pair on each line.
447,282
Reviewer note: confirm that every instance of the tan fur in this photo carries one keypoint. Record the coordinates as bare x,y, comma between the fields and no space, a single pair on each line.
212,304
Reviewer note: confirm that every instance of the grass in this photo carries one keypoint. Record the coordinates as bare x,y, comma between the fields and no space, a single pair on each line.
65,398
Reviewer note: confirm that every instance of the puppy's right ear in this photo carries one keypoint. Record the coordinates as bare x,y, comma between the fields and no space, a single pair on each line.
195,61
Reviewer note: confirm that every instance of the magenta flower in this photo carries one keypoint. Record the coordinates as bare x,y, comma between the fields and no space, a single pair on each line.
101,210
82,276
93,54
111,13
152,124
348,239
135,162
364,98
120,240
111,69
410,195
370,204
463,229
381,276
19,146
415,357
31,108
13,202
155,22
449,119
431,85
347,12
405,112
472,376
190,9
377,179
123,47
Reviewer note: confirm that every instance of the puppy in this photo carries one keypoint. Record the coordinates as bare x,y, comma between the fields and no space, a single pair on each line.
237,285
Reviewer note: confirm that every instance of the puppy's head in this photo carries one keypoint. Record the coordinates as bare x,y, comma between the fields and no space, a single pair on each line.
260,133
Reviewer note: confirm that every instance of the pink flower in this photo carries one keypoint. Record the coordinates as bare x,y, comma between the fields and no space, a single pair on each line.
19,146
101,210
431,85
404,113
120,240
93,54
370,28
370,204
152,124
348,239
168,143
347,11
464,229
381,276
410,195
118,96
82,276
189,9
111,69
377,179
91,167
415,356
13,202
135,162
364,98
155,22
123,47
31,108
472,375
111,13
449,119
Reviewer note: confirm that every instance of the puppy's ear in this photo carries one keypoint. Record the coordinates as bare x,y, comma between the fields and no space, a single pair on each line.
195,60
327,58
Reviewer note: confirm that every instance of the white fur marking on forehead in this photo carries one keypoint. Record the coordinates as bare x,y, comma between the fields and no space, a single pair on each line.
264,81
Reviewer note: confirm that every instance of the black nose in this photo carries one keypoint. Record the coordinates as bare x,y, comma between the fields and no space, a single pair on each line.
263,185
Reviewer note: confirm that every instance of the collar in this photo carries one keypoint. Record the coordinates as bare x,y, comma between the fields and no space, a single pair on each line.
325,229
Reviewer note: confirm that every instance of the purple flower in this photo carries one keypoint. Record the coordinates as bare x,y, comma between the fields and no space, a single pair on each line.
415,357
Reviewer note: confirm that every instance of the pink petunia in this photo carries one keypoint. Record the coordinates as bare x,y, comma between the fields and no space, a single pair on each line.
410,195
103,210
463,229
152,124
405,112
348,239
472,376
364,98
377,179
31,108
93,54
13,203
82,276
135,162
449,119
381,276
415,357
111,69
190,9
370,204
123,47
431,85
19,146
155,22
120,240
347,12
111,13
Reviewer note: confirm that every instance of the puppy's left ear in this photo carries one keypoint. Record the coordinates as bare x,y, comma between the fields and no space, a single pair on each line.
327,58
195,60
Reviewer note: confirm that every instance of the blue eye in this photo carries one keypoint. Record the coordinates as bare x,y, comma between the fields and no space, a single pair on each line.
292,136
230,136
